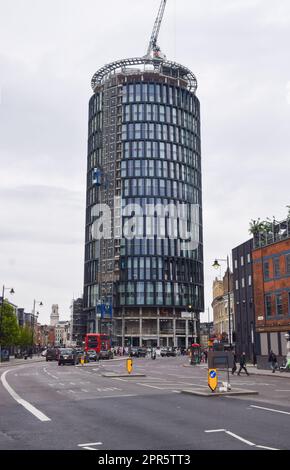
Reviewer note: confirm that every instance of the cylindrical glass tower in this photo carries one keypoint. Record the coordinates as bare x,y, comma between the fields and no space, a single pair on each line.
144,251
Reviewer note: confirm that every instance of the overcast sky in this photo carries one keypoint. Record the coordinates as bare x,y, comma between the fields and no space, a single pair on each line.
49,50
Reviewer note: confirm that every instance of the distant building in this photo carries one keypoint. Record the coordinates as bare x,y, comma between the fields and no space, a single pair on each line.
206,333
54,316
220,308
271,275
62,337
78,321
245,335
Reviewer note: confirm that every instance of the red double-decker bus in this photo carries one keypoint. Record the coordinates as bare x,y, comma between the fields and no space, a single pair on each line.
97,342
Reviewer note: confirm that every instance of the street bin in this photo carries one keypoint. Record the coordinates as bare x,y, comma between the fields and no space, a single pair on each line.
5,355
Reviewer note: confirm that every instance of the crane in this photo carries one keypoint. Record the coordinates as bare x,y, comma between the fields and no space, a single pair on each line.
153,47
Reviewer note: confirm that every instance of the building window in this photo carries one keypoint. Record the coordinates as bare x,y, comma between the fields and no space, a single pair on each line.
268,305
277,267
243,282
237,285
287,263
236,264
279,310
249,257
266,271
242,261
250,280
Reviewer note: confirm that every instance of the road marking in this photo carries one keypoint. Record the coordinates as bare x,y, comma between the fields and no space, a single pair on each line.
72,383
215,430
88,446
37,413
270,409
240,438
115,396
72,391
83,390
268,448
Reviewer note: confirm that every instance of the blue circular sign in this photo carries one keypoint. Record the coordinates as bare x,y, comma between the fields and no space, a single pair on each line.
212,374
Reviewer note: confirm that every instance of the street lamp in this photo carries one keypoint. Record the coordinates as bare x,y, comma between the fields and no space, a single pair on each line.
191,311
11,291
216,265
39,302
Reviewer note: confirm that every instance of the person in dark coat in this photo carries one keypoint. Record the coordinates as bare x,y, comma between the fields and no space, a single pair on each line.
234,363
243,364
273,359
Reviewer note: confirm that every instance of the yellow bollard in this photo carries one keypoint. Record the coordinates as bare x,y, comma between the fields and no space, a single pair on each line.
129,366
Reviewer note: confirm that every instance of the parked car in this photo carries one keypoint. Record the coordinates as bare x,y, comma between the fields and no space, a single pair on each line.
106,354
52,354
67,356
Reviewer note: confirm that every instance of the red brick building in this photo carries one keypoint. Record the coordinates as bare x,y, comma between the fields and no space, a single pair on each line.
271,276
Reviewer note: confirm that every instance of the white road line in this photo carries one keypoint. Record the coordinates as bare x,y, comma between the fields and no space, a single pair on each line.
115,396
38,414
83,390
215,430
240,438
270,409
268,448
87,446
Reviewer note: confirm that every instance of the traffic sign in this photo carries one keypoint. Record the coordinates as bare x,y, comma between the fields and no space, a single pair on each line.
212,379
129,365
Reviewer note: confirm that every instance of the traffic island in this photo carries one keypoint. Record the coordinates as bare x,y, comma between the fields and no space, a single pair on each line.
207,393
115,374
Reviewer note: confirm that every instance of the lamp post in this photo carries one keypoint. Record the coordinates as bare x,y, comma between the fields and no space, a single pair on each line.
217,265
39,302
1,314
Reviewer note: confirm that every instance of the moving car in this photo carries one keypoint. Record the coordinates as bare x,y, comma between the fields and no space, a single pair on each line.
52,354
105,354
142,352
67,356
138,352
91,355
167,352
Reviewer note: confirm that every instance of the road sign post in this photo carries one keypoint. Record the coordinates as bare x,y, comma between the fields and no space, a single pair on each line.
212,379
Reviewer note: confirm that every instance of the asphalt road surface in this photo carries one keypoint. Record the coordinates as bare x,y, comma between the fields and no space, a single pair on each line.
44,406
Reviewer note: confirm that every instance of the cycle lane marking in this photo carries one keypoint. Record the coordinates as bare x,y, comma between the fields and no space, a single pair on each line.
37,413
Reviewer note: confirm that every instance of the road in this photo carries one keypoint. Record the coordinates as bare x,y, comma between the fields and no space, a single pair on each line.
44,406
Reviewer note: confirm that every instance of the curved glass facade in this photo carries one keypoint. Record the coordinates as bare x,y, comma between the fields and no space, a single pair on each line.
161,165
144,164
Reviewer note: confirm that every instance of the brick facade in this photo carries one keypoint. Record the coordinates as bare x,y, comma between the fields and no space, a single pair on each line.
271,275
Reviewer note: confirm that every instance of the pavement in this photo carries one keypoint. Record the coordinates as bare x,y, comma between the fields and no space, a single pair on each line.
17,362
46,406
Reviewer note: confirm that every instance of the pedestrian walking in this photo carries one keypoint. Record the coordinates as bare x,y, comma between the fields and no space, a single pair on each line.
273,359
234,368
243,364
205,356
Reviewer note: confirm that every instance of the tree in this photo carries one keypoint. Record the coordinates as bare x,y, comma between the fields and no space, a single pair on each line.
25,337
9,329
